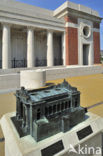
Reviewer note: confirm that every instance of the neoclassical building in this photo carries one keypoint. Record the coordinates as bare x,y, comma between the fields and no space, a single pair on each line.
31,36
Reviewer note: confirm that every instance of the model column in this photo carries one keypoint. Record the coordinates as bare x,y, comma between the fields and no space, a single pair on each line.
50,54
30,48
6,47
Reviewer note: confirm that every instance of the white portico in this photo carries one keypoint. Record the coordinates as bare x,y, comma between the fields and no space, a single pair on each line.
33,46
29,36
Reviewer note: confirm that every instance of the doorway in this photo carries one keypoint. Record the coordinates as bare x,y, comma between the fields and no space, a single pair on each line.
86,54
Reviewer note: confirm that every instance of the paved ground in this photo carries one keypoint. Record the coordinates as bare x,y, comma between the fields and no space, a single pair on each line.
91,88
7,104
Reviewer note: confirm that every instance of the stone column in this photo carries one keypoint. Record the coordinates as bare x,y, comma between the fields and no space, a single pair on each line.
91,54
63,49
6,47
81,54
50,54
30,48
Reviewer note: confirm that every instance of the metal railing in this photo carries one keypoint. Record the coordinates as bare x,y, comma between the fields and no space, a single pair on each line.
43,62
39,62
58,62
19,63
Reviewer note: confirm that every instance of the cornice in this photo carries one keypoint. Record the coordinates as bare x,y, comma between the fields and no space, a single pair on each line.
78,14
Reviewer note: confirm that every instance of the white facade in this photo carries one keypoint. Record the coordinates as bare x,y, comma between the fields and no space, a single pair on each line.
31,36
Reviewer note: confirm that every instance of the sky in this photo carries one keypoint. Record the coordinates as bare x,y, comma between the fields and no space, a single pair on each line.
53,4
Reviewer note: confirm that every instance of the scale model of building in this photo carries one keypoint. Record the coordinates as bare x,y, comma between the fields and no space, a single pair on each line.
47,111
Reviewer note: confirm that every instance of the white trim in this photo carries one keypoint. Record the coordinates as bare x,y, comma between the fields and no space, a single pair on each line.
82,40
75,7
32,24
82,31
68,24
96,30
31,20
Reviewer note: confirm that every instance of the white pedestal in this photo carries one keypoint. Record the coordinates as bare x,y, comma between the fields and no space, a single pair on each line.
26,146
33,79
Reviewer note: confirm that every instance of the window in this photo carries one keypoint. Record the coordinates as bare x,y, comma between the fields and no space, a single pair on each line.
69,104
86,31
58,107
66,105
21,110
76,102
54,109
38,113
62,106
46,111
50,110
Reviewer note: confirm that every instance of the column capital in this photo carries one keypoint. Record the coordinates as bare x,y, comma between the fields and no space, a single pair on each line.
50,30
6,24
30,28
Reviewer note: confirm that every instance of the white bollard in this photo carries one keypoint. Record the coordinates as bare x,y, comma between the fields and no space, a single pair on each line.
32,79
